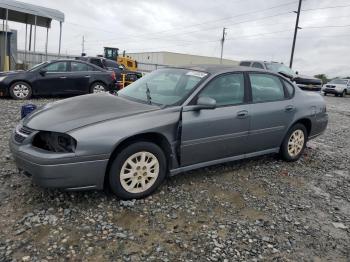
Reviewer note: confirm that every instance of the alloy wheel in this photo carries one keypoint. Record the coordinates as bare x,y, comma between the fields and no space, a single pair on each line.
21,91
139,172
99,89
296,143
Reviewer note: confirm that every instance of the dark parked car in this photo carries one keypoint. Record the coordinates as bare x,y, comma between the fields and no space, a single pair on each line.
304,82
169,121
58,77
112,65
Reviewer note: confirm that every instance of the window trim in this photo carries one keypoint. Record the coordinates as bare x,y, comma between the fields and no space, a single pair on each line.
283,80
245,97
269,101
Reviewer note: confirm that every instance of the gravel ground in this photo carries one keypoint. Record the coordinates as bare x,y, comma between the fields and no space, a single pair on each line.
253,210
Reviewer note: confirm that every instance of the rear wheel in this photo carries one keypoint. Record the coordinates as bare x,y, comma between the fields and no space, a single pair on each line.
325,94
20,91
137,170
294,143
98,87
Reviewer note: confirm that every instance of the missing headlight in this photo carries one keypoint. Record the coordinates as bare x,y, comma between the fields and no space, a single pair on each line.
55,142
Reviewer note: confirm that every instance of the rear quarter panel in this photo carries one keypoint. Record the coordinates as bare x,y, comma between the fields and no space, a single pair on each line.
310,105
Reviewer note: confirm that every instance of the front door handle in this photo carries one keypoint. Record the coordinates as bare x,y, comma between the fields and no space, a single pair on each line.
289,108
63,77
87,76
242,114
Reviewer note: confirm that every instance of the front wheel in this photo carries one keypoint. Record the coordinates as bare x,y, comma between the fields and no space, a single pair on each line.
343,94
137,170
20,91
294,143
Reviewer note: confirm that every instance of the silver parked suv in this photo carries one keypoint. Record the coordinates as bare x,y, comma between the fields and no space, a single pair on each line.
338,87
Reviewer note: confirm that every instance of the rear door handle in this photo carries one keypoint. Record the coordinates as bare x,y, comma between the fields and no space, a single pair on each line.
87,76
289,108
242,114
63,77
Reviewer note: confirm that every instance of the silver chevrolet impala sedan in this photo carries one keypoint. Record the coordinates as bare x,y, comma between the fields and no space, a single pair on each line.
170,121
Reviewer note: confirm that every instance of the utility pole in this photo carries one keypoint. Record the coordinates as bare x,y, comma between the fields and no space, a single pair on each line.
295,34
222,43
83,46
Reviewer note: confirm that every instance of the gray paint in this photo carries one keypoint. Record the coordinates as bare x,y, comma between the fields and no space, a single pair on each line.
100,123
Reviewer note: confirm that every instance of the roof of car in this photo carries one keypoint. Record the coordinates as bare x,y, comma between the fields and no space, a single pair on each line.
213,69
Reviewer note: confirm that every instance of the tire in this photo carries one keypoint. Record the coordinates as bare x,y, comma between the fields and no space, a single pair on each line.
292,153
98,87
343,94
325,94
20,91
126,180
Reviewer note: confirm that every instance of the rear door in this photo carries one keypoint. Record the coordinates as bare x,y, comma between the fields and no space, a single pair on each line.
79,78
271,111
53,82
213,134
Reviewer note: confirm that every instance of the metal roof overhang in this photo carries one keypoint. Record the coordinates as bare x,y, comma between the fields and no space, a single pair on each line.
26,13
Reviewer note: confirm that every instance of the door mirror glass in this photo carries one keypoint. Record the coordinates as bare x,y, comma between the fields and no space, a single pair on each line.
205,102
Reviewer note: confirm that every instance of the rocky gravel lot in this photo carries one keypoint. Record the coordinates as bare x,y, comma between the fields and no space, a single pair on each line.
261,209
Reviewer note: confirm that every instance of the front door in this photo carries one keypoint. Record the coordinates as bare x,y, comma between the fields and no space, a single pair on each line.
53,81
213,134
271,112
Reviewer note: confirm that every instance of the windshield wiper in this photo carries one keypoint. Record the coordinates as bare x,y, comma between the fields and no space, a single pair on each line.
148,94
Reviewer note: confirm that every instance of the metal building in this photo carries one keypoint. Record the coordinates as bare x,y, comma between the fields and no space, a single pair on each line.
28,14
149,61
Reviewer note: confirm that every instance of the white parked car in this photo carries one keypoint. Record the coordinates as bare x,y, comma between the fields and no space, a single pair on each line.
338,87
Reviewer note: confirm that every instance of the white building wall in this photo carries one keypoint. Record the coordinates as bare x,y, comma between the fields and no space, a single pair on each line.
149,61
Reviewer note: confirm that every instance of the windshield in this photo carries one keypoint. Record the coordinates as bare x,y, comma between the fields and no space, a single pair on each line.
339,81
279,68
36,66
164,86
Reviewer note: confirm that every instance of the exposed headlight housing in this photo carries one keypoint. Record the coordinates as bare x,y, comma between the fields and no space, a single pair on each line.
55,142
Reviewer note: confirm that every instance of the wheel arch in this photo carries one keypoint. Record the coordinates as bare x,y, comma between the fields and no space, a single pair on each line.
306,122
19,80
153,137
98,81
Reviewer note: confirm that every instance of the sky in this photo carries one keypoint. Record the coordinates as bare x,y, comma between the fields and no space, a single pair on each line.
256,29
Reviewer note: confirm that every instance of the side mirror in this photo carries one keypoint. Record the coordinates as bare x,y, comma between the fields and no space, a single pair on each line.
205,102
42,72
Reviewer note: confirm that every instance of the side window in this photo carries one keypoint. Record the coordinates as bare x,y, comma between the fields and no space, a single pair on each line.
266,88
226,89
244,63
289,87
258,65
57,67
79,67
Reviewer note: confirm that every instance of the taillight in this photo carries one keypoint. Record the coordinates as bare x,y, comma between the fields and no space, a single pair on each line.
113,76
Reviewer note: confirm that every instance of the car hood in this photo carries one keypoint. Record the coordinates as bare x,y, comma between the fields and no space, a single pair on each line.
335,85
10,73
73,113
307,80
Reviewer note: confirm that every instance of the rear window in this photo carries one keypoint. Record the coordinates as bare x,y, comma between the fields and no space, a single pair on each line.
97,62
111,63
244,63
